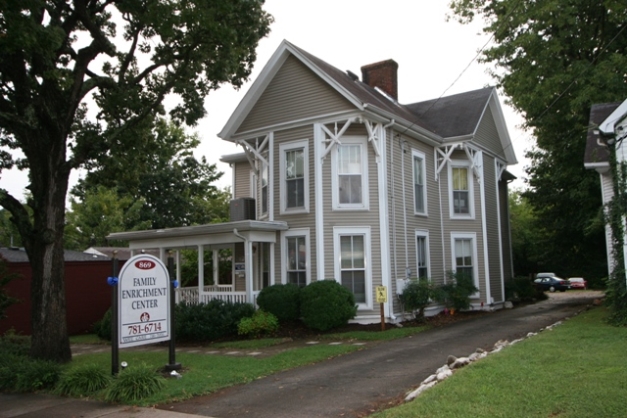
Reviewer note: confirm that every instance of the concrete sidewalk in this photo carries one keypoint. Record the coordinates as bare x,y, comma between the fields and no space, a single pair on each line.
28,405
351,385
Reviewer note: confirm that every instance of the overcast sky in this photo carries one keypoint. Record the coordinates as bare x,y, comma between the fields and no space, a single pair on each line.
431,53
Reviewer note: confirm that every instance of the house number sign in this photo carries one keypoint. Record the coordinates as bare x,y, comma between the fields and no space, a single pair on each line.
143,302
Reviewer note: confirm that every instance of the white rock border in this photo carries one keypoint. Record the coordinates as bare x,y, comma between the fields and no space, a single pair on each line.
454,363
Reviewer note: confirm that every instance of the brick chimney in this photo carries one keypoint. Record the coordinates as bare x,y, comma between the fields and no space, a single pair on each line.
382,75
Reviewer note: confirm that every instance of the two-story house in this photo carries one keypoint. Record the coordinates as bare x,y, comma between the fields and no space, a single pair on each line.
339,181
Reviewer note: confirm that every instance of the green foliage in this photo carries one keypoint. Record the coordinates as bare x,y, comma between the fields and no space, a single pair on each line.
521,289
326,304
282,300
554,59
102,328
209,321
135,383
417,295
32,374
261,323
100,87
616,298
189,266
456,292
5,278
83,380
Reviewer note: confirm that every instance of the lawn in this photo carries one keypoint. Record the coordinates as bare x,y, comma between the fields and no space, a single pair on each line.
577,369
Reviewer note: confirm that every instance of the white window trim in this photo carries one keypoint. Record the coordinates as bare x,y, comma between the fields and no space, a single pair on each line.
425,235
475,260
365,198
296,232
365,231
419,154
471,194
264,215
283,148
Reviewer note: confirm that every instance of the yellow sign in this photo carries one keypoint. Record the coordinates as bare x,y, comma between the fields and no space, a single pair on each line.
382,294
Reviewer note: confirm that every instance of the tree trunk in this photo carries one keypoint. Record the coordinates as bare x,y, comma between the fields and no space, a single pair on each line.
49,182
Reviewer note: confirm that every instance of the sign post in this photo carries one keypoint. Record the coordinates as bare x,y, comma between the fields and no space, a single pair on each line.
113,282
382,297
172,364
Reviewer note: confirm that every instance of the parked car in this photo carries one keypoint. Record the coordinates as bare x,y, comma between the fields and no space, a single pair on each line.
578,283
552,284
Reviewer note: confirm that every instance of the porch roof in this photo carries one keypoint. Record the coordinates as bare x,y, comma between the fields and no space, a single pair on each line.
188,236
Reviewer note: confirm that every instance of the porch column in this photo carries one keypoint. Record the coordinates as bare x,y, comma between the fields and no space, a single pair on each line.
201,270
214,254
248,258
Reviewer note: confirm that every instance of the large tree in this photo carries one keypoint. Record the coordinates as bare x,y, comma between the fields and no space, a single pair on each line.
74,76
554,59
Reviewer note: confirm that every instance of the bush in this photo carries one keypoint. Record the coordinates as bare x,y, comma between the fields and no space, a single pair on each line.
32,375
326,304
520,289
260,323
134,383
281,300
102,328
209,321
456,293
83,380
417,295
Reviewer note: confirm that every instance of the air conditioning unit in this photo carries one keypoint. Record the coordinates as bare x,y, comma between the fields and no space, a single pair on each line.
400,285
242,209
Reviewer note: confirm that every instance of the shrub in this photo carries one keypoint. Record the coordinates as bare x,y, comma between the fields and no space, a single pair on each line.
456,293
102,328
326,304
260,323
209,321
134,383
417,295
520,289
281,300
32,375
83,380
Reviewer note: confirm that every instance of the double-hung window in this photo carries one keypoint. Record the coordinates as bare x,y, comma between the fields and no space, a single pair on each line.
264,187
420,192
296,256
465,255
422,254
352,245
294,177
461,194
350,178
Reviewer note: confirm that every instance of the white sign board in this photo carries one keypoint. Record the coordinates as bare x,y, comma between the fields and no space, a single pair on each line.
143,302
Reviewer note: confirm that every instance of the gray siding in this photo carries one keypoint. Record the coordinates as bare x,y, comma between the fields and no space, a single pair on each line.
242,186
300,220
294,93
508,263
492,227
488,136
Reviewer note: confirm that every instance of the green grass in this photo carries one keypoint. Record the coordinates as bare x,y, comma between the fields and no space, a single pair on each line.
87,339
203,374
249,344
575,370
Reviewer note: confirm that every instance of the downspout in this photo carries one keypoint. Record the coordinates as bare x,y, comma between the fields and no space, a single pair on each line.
388,270
407,269
439,179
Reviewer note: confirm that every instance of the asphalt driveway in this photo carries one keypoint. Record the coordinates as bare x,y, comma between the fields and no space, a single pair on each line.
354,384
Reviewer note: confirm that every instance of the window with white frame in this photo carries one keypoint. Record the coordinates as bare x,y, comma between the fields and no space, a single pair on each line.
350,178
461,195
296,257
465,255
422,254
420,191
353,265
294,177
264,186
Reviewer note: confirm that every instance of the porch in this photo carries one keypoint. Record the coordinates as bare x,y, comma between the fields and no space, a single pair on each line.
252,248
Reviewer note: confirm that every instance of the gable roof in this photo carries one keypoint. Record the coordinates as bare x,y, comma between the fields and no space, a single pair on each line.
597,155
456,116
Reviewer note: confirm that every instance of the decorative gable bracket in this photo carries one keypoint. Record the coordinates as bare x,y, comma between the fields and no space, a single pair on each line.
443,156
254,151
334,137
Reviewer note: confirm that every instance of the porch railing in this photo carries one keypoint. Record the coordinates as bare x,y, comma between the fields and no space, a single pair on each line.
223,292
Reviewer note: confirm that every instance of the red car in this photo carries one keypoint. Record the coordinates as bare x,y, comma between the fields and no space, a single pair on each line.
578,283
